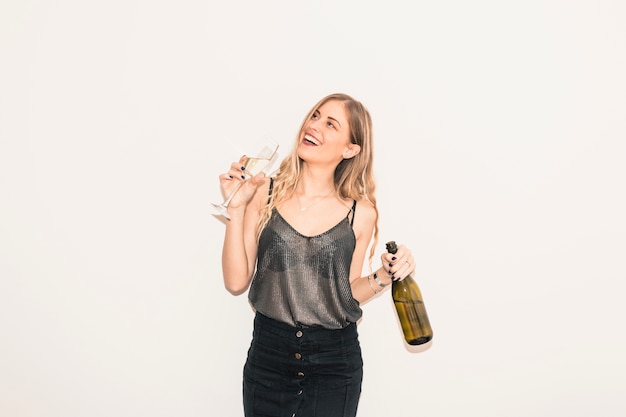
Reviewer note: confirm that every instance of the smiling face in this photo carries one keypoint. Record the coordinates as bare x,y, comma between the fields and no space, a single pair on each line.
325,136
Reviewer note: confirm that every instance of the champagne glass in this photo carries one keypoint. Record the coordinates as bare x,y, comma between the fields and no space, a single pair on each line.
260,162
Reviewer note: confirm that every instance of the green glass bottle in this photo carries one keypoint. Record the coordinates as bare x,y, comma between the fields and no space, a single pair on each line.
407,298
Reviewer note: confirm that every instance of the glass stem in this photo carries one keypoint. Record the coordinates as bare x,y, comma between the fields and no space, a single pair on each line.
232,194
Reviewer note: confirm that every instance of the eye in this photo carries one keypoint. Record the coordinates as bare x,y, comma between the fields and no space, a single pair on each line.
315,116
331,125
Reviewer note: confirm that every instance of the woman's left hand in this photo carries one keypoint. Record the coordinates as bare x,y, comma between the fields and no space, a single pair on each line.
399,265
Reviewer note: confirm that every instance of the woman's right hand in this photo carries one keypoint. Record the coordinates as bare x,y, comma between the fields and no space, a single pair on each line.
233,179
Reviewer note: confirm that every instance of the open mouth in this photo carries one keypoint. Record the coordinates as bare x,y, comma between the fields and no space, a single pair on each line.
310,139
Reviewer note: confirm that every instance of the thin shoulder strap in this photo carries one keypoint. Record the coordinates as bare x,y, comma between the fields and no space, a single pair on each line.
353,211
269,194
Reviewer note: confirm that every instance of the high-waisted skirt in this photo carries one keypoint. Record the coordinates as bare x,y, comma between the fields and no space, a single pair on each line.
303,372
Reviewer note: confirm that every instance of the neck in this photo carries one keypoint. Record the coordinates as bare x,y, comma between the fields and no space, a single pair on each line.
315,182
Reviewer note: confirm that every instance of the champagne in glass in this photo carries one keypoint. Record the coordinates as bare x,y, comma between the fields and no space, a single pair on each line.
254,165
261,162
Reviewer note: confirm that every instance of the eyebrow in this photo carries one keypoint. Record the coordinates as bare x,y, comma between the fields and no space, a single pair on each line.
330,117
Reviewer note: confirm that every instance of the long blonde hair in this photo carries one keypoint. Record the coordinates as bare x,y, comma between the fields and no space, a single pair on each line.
353,177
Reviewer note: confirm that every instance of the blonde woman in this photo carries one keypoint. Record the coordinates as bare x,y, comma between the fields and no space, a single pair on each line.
298,242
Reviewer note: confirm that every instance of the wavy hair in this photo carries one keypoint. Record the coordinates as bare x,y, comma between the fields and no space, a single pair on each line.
353,177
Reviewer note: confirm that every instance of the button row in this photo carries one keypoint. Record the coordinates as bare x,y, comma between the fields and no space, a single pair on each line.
298,356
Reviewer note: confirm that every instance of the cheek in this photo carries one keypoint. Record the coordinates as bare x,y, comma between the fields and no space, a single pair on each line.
346,138
340,148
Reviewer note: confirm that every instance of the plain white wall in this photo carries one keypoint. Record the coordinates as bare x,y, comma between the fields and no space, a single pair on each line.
500,147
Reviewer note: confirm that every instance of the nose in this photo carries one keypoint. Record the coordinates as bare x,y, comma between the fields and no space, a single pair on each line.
313,125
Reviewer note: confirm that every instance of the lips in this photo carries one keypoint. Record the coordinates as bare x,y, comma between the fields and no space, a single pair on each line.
311,139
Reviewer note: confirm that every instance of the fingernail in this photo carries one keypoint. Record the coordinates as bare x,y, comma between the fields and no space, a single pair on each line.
230,176
243,168
393,258
390,264
243,177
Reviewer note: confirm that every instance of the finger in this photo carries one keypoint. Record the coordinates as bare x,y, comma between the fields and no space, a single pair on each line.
408,267
403,265
400,264
237,171
258,179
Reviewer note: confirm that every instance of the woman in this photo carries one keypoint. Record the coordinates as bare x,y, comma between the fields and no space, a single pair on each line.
298,242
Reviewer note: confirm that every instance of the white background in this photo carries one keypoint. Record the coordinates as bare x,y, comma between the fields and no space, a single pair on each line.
500,145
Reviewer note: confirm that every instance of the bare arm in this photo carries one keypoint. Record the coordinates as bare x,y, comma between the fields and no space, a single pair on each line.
396,266
240,244
365,217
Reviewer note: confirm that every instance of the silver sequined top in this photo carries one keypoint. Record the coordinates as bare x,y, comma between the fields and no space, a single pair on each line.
305,280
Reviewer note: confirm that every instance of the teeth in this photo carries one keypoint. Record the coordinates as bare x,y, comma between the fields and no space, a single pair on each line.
311,139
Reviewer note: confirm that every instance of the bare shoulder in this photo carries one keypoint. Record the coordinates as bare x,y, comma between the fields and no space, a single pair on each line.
364,218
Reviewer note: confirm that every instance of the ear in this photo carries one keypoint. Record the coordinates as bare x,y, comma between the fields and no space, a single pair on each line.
352,151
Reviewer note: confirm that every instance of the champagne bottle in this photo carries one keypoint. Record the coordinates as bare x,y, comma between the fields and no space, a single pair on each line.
407,298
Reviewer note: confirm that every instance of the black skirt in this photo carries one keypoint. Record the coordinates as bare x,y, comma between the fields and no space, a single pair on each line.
302,371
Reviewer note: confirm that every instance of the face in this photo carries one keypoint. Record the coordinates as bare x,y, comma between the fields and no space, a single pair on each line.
326,135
